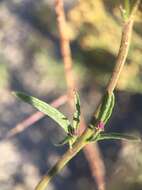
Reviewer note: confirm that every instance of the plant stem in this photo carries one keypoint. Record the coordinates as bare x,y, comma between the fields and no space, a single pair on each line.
90,151
121,58
127,7
81,142
123,49
65,49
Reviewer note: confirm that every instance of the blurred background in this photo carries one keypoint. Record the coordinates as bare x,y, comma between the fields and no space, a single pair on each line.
30,61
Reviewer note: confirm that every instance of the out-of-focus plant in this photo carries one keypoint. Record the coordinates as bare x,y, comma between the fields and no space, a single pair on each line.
3,73
95,130
94,32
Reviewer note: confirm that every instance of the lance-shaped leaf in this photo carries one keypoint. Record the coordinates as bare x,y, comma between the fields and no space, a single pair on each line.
76,116
106,108
110,108
46,109
115,136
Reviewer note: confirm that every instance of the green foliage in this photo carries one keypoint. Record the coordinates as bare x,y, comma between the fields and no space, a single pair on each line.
71,137
104,114
76,116
46,109
91,33
128,8
106,108
56,115
116,136
126,12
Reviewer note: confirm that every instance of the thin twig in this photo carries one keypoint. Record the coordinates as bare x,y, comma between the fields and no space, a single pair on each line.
94,157
34,118
95,161
81,142
65,49
123,50
134,9
90,151
121,58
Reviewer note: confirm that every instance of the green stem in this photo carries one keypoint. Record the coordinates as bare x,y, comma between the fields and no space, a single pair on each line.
81,141
123,50
127,8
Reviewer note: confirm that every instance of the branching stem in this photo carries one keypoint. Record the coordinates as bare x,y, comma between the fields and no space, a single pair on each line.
81,142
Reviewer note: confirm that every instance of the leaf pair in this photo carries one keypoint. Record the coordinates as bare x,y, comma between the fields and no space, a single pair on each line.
76,116
106,108
71,137
103,116
104,111
54,114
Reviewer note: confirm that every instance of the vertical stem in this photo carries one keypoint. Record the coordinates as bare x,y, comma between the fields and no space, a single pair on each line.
121,58
93,155
65,49
124,47
90,151
127,7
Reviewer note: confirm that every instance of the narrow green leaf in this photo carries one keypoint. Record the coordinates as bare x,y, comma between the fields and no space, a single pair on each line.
76,116
110,108
116,136
106,102
106,108
46,109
